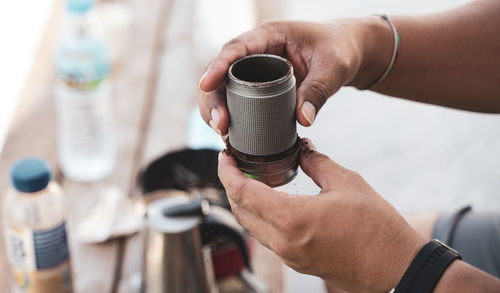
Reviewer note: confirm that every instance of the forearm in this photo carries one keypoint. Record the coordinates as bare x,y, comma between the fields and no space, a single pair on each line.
462,277
450,58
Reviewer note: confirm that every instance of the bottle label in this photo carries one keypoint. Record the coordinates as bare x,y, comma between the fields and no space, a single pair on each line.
39,258
83,64
51,247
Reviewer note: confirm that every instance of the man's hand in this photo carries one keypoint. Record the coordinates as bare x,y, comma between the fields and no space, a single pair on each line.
325,57
348,234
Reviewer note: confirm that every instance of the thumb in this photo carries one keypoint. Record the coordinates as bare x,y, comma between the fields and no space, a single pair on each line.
320,83
325,172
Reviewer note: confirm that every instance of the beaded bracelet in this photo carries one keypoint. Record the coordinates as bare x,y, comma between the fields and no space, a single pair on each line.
394,52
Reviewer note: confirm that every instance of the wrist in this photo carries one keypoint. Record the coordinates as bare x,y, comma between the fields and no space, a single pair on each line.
399,256
377,43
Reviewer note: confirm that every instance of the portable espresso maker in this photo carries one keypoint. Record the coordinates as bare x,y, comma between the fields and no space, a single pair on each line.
262,123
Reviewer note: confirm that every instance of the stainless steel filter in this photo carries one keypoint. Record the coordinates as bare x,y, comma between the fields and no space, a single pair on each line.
262,127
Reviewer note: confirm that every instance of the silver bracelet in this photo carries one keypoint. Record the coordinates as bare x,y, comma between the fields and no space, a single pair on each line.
394,52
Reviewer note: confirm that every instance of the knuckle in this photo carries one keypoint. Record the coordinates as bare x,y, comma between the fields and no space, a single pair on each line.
268,26
341,66
293,225
353,176
320,90
322,158
232,42
305,242
290,226
235,44
342,69
304,236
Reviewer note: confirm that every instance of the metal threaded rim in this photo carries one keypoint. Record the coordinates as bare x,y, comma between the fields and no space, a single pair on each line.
260,82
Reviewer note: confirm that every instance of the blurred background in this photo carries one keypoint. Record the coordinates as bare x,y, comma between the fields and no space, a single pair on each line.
419,157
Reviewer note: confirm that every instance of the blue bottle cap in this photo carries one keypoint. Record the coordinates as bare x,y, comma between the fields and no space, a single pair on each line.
79,6
30,174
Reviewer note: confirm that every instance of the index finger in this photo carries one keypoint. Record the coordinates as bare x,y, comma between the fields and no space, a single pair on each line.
257,41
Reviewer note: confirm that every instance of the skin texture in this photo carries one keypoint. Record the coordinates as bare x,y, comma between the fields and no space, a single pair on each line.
307,45
448,59
348,234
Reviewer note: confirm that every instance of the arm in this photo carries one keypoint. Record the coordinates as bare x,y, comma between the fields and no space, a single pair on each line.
462,277
450,58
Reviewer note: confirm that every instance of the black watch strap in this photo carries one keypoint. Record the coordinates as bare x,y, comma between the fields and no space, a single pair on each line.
427,267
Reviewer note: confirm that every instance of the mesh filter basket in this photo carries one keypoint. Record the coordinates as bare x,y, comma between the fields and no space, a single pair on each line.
262,127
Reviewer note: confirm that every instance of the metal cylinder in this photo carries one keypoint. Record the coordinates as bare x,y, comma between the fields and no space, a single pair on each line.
262,123
175,260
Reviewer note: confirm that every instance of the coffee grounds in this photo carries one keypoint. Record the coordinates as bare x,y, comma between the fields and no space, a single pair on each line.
263,159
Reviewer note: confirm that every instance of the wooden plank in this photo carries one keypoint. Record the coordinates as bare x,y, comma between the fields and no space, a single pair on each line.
128,271
33,133
96,265
174,98
176,93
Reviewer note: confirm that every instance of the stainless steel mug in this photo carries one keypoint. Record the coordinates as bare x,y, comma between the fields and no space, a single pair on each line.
262,123
179,237
175,260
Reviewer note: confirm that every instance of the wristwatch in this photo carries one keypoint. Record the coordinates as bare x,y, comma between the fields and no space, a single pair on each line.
427,267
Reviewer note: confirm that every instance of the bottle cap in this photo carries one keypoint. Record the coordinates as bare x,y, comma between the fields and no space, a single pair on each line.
79,6
30,174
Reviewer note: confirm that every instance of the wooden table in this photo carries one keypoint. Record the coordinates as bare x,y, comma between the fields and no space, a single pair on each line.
154,90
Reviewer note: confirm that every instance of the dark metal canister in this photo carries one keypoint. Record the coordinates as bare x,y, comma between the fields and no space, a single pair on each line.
262,128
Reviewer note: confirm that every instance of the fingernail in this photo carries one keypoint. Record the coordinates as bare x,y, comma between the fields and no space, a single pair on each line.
202,79
214,123
309,111
214,127
220,155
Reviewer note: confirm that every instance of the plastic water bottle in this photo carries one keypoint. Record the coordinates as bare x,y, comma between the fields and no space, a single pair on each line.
199,135
34,230
86,142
